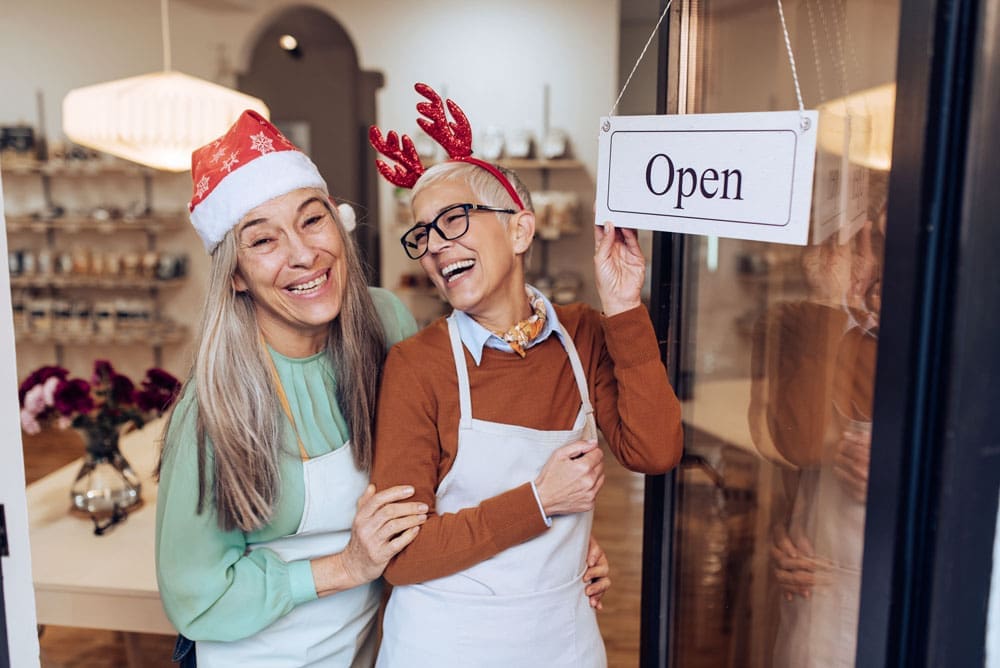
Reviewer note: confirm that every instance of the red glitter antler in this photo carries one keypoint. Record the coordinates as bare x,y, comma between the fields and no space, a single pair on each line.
410,168
455,137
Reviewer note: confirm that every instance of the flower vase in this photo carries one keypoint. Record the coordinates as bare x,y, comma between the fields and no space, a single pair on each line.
106,481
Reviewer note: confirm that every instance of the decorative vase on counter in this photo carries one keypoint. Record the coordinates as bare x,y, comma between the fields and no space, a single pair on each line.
106,481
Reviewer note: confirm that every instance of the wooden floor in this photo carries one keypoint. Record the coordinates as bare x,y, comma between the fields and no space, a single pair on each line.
617,526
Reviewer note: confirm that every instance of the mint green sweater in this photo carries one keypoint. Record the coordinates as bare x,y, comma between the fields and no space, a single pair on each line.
211,588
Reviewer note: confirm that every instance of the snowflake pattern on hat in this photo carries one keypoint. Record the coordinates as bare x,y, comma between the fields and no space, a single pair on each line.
261,143
230,161
202,185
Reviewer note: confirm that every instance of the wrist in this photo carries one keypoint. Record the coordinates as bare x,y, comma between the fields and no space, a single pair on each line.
541,506
334,573
613,307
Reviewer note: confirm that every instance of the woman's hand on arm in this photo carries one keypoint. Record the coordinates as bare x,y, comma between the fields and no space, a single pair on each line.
619,268
597,574
383,525
570,479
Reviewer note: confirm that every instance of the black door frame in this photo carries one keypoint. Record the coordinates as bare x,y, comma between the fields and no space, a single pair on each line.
929,534
657,607
935,468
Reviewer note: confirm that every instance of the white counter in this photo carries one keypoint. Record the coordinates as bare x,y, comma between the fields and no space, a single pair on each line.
102,582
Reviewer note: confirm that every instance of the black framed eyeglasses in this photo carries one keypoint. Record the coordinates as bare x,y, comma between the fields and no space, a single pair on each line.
450,224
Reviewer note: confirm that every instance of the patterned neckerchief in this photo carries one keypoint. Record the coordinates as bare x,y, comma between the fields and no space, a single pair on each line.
520,336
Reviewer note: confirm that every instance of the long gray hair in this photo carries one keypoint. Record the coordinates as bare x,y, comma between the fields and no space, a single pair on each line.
238,406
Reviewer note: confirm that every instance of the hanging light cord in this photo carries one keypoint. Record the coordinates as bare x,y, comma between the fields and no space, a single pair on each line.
165,27
791,60
639,59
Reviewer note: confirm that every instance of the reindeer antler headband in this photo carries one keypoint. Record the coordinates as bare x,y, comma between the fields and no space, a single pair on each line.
455,137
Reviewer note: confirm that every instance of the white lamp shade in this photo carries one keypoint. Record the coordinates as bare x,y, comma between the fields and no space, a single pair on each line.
868,116
154,119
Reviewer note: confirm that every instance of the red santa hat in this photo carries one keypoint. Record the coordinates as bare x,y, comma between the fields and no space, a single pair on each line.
249,165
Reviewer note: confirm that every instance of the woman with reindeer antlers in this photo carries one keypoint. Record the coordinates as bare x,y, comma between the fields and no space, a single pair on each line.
492,415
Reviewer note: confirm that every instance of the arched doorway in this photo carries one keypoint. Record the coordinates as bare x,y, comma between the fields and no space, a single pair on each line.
324,102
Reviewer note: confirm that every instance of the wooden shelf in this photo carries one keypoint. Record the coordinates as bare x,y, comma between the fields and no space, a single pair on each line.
74,224
92,282
157,335
539,163
75,168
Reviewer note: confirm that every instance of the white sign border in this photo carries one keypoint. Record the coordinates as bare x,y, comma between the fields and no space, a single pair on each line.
795,231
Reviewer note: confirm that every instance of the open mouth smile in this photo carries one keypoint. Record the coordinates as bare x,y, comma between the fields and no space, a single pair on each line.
452,271
309,287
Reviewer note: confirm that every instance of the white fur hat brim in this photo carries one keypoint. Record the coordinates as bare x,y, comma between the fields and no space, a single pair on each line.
249,186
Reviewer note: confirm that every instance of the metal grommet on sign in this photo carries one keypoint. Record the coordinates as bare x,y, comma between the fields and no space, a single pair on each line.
805,123
606,125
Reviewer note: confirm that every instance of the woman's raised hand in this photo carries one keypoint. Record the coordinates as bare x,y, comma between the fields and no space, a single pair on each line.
619,268
382,527
571,478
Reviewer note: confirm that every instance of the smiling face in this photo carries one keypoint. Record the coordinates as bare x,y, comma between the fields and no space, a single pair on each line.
481,272
290,260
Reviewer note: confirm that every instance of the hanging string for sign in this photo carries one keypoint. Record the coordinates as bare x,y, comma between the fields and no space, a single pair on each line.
638,60
815,49
791,60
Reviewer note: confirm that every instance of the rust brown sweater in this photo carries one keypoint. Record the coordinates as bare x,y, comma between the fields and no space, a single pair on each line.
417,428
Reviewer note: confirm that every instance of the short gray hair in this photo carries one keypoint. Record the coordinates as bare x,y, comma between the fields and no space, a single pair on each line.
484,185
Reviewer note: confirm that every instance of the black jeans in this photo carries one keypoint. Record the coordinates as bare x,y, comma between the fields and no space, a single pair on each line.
184,654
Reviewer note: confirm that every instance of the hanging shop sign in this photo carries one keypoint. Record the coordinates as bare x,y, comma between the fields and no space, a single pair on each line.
740,176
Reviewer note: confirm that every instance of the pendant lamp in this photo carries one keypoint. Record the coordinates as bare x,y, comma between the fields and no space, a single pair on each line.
154,119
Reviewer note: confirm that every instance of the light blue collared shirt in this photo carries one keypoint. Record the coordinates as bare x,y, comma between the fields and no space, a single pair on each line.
475,337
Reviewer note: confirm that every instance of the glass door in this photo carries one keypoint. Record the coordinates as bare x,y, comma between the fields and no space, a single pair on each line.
777,344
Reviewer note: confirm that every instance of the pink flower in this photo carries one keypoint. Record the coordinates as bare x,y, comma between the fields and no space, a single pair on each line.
34,400
49,389
38,377
28,422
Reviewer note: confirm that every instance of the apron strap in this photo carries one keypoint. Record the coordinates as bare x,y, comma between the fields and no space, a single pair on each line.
283,398
464,394
590,429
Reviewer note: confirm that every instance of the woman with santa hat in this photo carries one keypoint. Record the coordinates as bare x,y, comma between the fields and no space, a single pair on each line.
270,541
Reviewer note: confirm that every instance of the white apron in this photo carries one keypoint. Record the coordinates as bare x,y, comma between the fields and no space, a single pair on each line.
822,631
332,631
525,606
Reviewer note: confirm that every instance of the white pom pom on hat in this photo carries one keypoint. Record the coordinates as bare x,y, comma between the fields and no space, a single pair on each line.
249,165
347,216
